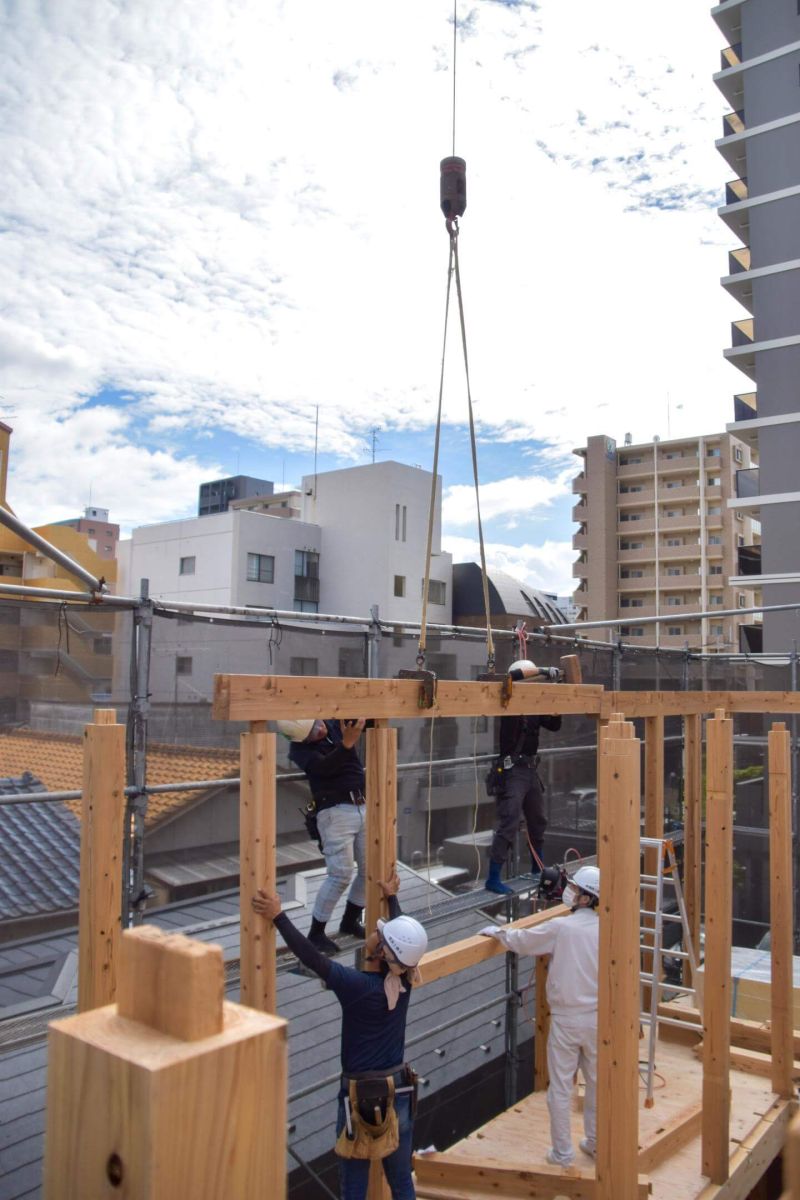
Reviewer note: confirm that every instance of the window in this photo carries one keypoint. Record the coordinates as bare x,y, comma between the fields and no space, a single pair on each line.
739,515
675,630
714,540
303,666
108,549
631,602
399,585
90,530
631,545
674,483
715,569
437,591
741,600
716,600
674,601
632,631
713,480
630,516
674,512
674,570
737,454
400,518
635,487
183,665
674,454
187,565
713,452
629,462
626,573
714,510
740,539
674,541
260,568
718,630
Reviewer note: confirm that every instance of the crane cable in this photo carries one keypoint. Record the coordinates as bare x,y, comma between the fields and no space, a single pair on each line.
453,169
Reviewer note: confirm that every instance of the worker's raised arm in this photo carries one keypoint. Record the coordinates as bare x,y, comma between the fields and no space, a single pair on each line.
540,940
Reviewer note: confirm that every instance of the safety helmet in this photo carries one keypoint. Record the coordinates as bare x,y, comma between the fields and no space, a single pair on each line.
588,880
523,668
295,731
406,939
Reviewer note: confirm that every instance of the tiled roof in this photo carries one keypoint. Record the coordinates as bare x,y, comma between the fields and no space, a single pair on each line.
57,760
39,854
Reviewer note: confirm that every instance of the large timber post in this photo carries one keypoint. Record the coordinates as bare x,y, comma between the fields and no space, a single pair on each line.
618,776
781,908
257,836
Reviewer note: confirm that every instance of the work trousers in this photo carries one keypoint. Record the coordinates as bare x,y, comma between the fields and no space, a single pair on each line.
521,795
342,829
354,1172
571,1043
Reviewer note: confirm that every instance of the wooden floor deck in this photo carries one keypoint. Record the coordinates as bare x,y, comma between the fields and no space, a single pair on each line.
506,1157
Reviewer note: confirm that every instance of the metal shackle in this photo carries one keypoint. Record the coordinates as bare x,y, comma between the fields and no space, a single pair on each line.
453,187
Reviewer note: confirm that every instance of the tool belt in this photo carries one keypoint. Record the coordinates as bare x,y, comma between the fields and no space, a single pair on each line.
371,1128
330,799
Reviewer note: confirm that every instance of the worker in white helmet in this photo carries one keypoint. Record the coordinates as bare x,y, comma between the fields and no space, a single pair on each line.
573,945
376,1081
328,753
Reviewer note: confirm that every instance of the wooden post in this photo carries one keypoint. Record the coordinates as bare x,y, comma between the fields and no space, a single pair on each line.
102,821
653,828
692,831
158,1103
717,983
618,809
381,818
381,771
257,831
541,1075
781,906
791,1161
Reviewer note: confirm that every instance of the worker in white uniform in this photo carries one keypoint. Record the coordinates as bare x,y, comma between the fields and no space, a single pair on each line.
573,944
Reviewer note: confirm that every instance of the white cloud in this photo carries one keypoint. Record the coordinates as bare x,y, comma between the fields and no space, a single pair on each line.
508,500
229,210
547,567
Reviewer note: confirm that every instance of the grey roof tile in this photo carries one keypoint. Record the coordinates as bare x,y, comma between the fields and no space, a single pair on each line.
39,853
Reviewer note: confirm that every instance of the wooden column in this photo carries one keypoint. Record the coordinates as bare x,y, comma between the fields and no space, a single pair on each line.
541,1075
381,770
171,1093
653,828
717,983
257,831
618,807
102,823
791,1161
692,831
381,818
781,907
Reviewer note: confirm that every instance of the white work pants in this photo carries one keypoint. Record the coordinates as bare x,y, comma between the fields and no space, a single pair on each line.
572,1043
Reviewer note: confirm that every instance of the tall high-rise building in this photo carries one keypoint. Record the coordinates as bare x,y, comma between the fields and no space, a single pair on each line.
658,537
761,144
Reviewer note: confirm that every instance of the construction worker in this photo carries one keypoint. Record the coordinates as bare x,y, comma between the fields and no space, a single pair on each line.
572,943
518,791
326,751
377,1096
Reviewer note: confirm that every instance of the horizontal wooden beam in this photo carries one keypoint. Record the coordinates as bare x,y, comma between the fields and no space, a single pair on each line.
447,960
270,697
756,1151
451,1176
670,1138
754,1062
750,1035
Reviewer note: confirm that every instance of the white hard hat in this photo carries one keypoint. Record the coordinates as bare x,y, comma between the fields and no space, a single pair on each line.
406,939
523,668
295,731
588,880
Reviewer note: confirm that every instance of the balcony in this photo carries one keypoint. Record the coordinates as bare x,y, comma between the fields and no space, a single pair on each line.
580,541
735,191
683,583
745,406
747,485
646,610
635,528
675,495
647,583
749,560
687,521
731,56
739,260
728,16
733,122
742,332
646,554
677,465
631,499
580,570
580,513
735,213
690,551
636,470
579,484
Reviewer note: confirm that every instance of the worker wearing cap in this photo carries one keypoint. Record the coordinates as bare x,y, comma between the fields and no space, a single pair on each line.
374,1012
519,790
327,752
573,945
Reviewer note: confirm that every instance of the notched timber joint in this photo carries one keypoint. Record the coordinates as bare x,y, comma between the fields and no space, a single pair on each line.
427,690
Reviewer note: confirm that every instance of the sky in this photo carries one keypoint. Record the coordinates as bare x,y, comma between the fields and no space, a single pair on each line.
220,233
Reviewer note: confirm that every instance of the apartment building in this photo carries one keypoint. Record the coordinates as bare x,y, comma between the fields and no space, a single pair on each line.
761,145
657,537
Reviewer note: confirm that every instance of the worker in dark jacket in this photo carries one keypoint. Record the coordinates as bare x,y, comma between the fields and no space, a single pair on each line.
374,1074
328,753
519,792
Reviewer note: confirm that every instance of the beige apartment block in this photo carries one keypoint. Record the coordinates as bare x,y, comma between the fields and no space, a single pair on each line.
656,537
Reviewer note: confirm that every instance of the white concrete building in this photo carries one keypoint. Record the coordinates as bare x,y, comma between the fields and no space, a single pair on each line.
359,540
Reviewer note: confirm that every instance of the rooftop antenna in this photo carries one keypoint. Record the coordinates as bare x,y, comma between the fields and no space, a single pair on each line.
374,439
316,446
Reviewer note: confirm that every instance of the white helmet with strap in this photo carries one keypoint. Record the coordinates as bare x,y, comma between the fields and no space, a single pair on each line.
588,880
523,668
295,731
406,939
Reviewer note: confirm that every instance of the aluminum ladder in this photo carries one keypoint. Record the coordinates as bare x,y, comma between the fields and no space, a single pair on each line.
651,930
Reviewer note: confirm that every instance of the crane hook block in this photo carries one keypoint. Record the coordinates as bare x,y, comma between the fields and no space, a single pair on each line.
453,187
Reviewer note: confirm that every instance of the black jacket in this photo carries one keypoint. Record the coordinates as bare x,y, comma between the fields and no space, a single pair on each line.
520,735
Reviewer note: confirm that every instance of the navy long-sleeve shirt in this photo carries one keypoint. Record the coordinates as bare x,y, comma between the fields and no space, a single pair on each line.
329,765
520,735
373,1036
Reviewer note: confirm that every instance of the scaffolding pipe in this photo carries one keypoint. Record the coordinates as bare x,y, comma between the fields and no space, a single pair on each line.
36,540
98,599
684,616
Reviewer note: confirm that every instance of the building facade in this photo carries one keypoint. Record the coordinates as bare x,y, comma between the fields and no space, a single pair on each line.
347,540
101,533
761,145
219,494
657,536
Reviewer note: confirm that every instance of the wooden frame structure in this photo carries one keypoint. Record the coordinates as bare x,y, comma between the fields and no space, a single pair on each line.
631,1156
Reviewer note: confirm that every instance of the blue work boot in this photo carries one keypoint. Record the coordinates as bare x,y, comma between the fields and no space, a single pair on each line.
494,883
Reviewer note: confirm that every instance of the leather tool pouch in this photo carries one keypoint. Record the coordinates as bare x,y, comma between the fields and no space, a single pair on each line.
374,1120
